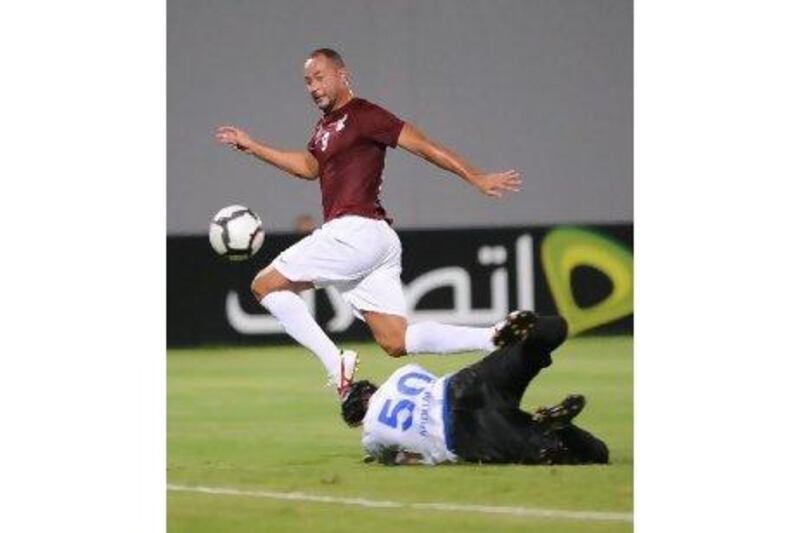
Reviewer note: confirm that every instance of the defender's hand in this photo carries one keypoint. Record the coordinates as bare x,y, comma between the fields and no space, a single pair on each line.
235,138
496,184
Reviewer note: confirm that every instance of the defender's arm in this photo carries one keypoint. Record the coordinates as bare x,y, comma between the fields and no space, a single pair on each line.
393,457
300,164
491,184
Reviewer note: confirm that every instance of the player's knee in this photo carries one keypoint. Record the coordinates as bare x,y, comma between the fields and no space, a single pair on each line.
394,346
553,330
395,349
389,333
259,287
563,329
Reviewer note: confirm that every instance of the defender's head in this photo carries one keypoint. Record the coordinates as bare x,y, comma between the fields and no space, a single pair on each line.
327,79
354,406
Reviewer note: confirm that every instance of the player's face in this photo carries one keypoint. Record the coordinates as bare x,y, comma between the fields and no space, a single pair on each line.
324,82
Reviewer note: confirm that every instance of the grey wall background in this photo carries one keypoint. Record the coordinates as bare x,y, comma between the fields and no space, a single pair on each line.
542,86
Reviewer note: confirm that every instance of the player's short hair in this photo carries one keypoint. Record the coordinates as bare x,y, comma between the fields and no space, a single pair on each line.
331,54
355,403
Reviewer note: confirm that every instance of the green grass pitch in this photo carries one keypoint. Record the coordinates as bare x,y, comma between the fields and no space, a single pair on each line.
260,419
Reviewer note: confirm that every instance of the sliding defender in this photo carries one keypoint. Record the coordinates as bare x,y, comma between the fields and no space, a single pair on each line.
474,415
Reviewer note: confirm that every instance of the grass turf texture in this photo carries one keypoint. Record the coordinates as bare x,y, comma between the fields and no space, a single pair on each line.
260,419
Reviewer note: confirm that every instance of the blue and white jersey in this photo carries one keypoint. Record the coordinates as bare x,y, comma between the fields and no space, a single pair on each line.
407,414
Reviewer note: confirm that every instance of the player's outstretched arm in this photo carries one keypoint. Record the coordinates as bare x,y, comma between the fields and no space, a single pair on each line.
300,164
493,184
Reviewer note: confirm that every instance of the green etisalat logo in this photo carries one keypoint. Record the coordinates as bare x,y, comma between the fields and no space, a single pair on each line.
564,249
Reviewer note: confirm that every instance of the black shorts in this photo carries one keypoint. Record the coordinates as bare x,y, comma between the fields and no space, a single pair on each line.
484,422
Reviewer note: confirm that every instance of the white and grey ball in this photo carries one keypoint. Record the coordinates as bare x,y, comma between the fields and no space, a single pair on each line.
236,233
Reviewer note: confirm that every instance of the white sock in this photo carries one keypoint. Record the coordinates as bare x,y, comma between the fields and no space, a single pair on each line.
293,315
433,337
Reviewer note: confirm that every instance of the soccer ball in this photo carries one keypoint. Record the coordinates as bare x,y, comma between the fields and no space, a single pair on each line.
236,233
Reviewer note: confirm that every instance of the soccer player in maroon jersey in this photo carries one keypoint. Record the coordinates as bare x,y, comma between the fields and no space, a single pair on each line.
356,250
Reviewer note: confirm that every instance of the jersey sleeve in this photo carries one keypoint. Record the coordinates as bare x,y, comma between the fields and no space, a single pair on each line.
379,125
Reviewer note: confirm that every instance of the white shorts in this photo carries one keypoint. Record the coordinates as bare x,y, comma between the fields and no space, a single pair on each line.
360,257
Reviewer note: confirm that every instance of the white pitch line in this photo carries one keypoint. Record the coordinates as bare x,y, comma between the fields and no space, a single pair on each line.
432,506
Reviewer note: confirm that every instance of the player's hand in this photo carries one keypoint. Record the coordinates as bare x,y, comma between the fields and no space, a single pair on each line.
497,184
235,138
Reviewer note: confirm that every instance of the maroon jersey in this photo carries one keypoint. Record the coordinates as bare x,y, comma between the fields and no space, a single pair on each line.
350,147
